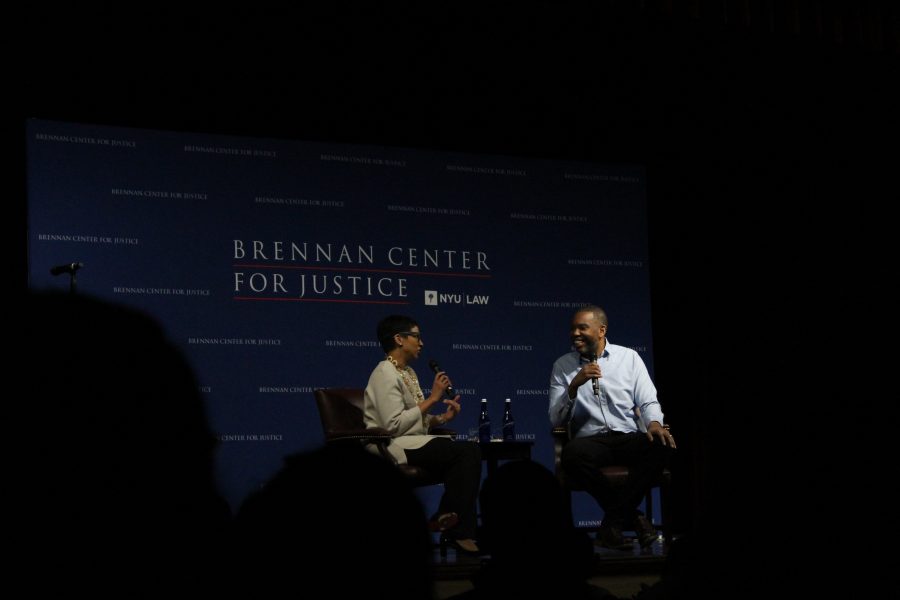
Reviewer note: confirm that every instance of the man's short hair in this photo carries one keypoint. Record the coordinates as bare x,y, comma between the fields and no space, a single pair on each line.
598,313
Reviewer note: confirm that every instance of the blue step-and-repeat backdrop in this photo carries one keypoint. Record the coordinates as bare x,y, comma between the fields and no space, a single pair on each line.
269,263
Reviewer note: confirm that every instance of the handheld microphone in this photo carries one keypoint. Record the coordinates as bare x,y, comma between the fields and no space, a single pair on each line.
594,381
69,268
437,369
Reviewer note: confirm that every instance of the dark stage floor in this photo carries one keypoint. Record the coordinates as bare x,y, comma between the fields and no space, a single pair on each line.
620,572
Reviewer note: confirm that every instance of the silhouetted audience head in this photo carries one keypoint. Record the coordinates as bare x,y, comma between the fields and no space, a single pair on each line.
339,521
113,480
528,531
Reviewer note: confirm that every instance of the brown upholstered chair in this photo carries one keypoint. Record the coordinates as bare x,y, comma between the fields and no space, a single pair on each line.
341,411
617,474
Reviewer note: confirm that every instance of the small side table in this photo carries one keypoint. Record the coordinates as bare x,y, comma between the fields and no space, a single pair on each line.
493,452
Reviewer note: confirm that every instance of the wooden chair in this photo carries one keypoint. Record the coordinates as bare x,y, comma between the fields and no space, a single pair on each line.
341,412
617,475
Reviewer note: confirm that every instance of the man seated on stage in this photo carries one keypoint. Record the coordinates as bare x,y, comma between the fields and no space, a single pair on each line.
595,392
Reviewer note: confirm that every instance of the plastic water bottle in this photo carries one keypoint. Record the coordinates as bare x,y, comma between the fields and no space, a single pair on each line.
484,423
509,424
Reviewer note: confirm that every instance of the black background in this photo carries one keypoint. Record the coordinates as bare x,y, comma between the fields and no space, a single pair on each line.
771,160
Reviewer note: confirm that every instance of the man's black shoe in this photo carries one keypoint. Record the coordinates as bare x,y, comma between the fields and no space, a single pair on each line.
645,531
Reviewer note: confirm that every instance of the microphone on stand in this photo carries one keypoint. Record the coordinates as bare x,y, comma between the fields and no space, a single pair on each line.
68,268
437,369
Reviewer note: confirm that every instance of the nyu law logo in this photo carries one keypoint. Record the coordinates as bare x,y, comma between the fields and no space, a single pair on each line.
434,298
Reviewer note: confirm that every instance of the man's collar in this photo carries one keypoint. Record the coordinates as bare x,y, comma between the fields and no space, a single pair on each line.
583,359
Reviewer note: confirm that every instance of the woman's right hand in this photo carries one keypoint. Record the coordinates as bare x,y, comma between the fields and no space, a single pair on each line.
440,385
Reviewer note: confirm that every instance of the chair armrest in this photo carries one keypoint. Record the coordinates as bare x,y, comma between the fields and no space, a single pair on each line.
373,435
366,436
443,431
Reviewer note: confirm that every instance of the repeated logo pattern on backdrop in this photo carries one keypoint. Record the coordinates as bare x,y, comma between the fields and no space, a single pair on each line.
269,262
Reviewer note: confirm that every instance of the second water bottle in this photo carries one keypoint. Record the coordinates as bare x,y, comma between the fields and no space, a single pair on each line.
509,424
484,423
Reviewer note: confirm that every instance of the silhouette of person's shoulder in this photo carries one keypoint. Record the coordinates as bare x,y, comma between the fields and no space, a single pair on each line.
114,447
